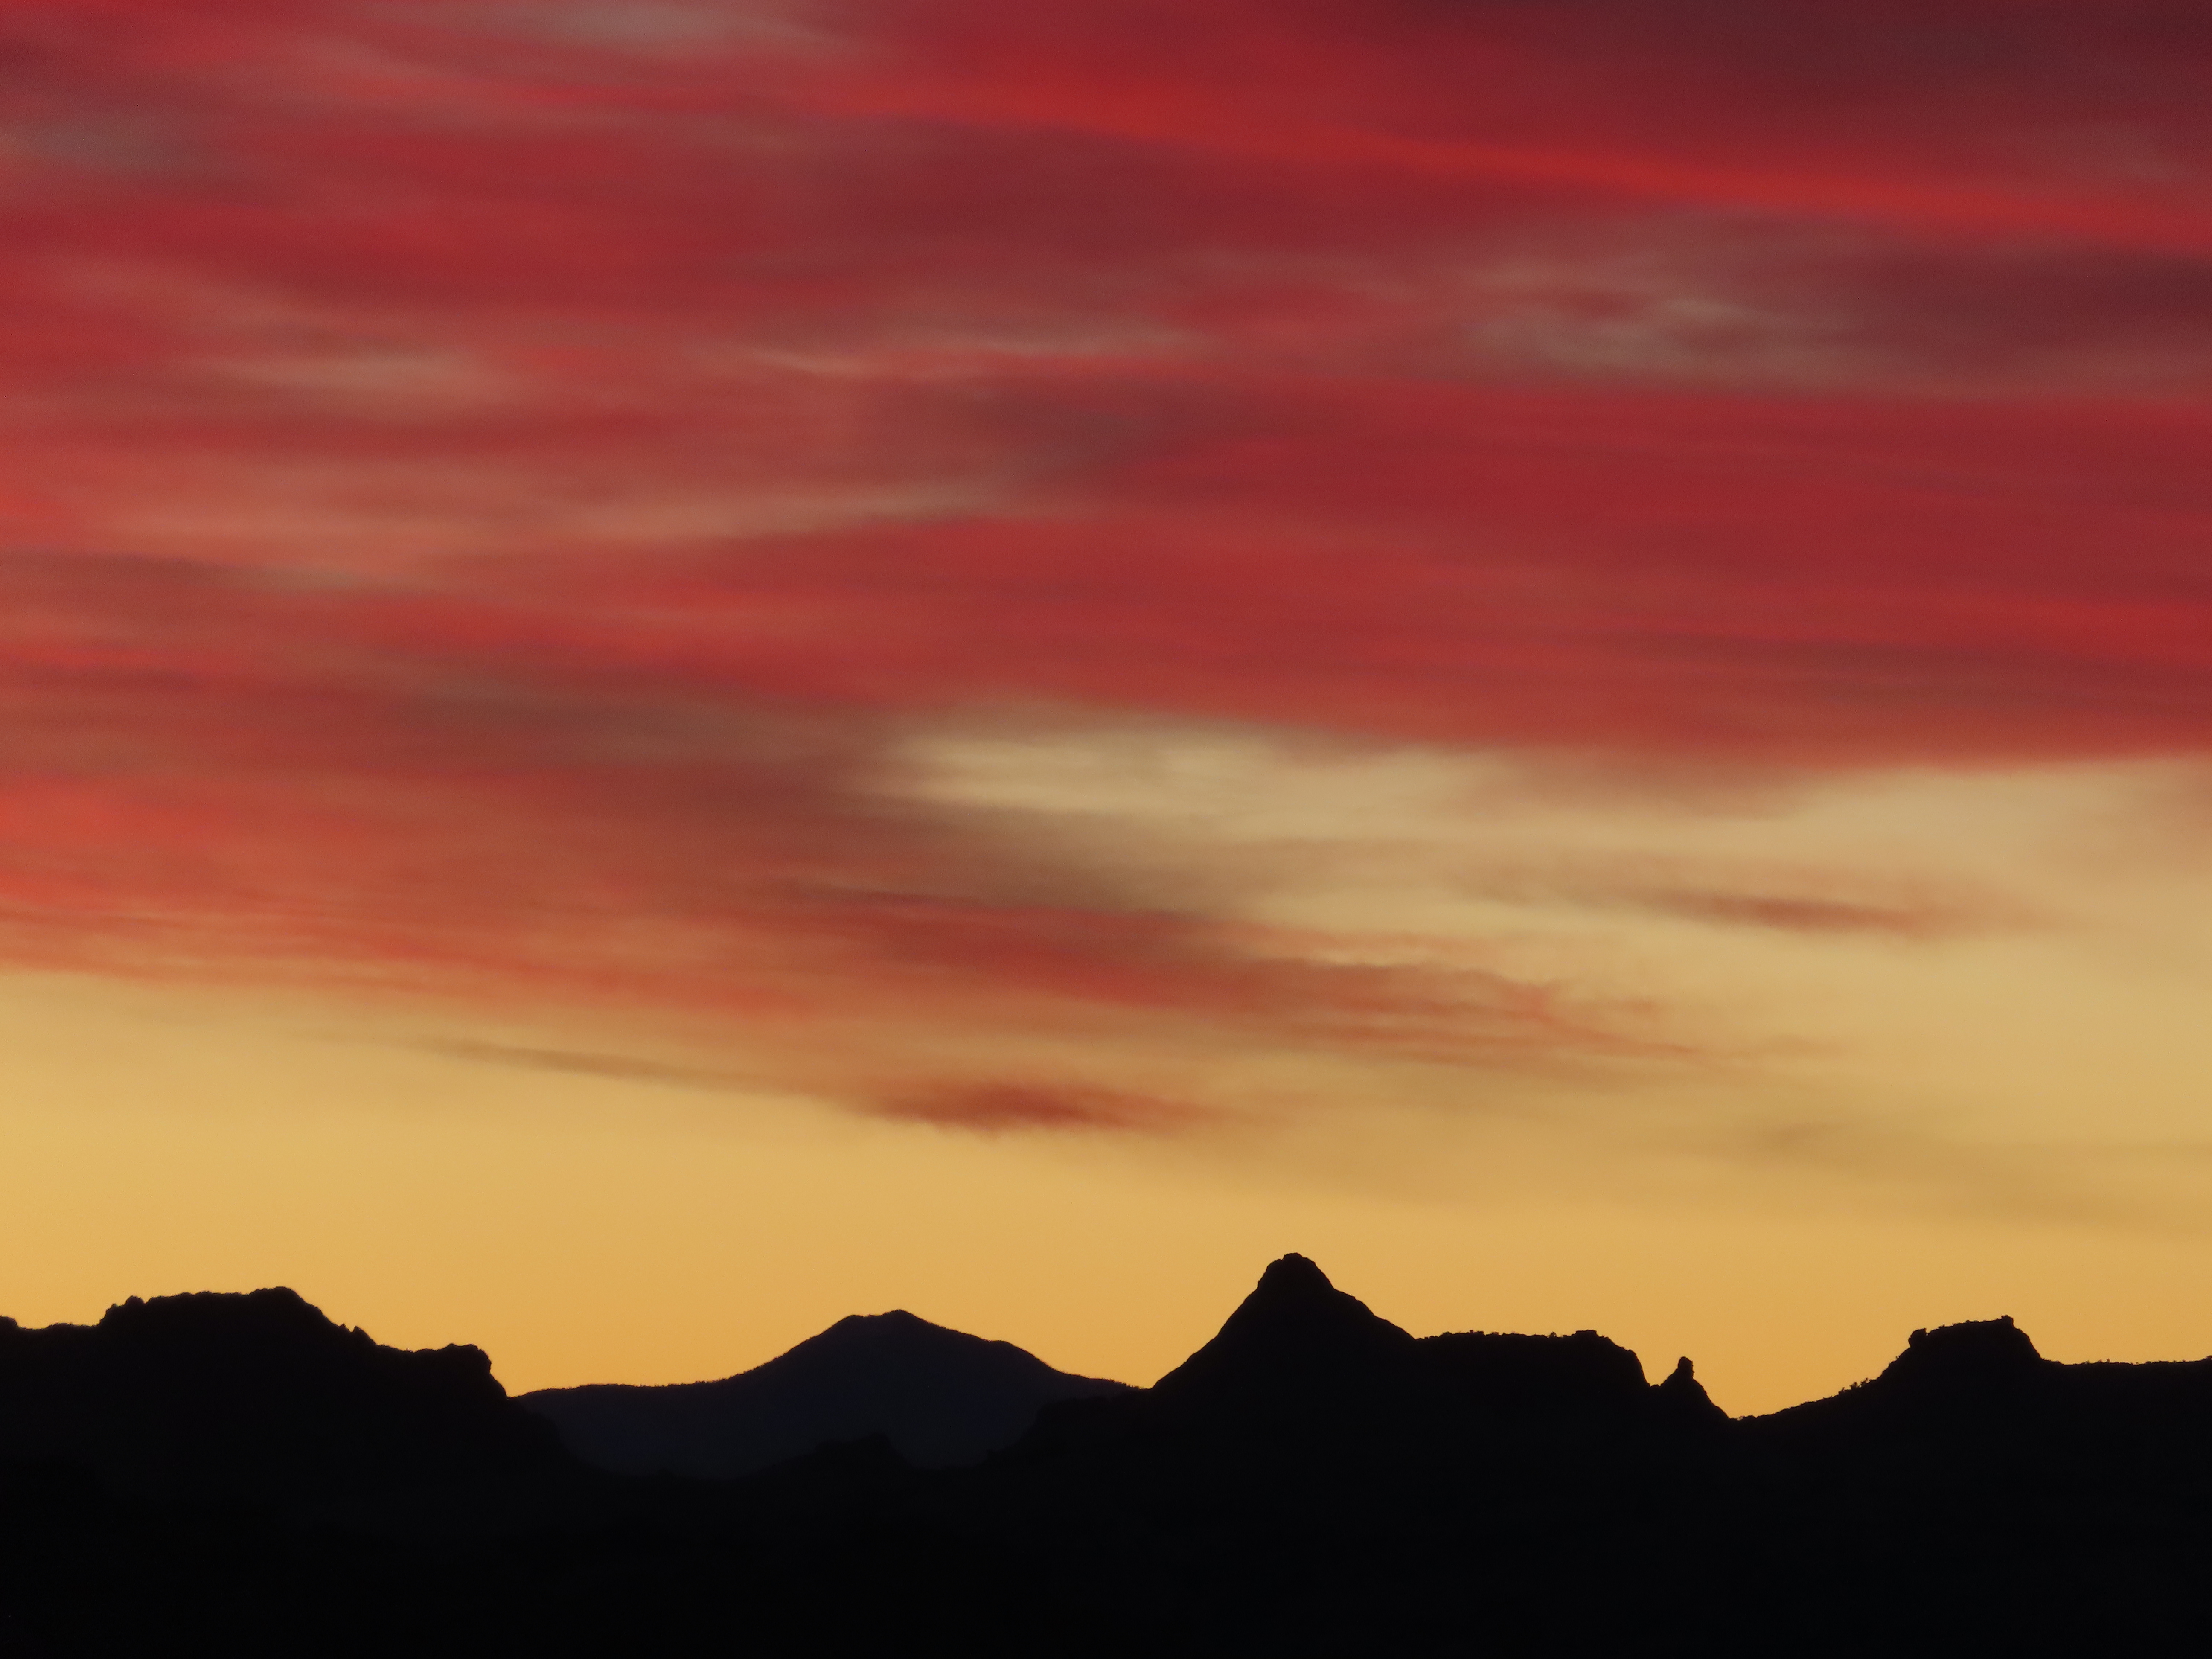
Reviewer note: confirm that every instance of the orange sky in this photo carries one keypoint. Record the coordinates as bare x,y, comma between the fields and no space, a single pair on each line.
674,668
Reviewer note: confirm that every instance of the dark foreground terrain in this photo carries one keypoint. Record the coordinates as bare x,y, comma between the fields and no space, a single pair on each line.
236,1475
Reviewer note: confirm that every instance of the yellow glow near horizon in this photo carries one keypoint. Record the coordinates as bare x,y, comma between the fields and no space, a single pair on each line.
1920,1046
587,1228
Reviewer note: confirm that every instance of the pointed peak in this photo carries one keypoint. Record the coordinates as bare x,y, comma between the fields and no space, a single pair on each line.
1294,1329
277,1307
1684,1399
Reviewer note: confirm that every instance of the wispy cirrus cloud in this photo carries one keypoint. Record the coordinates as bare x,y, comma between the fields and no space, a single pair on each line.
497,498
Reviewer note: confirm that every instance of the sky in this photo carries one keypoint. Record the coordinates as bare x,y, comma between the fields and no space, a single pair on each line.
672,668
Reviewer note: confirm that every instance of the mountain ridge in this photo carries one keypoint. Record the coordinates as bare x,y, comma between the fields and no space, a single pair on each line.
941,1398
1313,1480
257,1396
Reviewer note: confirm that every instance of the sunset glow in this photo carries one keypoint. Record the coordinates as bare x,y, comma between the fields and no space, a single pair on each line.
676,667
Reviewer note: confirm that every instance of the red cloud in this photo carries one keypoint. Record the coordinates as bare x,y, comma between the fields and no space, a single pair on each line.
228,773
483,485
1791,914
995,1108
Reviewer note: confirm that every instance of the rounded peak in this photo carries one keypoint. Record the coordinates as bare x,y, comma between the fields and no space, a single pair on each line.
1974,1351
1988,1339
275,1306
897,1324
894,1331
1294,1274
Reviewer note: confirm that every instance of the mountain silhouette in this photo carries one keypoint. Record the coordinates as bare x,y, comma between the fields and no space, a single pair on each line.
1296,1343
1954,1375
1299,1352
188,1476
940,1397
1681,1399
258,1398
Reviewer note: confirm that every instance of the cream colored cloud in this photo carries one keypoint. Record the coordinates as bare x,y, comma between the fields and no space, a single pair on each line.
1866,972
